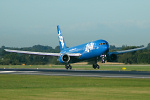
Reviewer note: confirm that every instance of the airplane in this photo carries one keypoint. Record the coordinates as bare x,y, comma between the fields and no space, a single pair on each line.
90,51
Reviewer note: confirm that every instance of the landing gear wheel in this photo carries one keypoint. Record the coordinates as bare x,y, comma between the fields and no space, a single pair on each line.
96,66
68,67
103,61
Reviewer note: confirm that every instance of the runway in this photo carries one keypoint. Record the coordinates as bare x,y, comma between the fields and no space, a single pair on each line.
79,73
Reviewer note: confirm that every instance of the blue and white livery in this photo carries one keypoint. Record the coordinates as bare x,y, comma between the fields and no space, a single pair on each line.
61,40
88,51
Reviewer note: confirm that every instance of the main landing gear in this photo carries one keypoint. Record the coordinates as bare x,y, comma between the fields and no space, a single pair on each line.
68,66
96,66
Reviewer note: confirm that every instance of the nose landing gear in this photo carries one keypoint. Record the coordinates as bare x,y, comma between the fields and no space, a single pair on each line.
103,58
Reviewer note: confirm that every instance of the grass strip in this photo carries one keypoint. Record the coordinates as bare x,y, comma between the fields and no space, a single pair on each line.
36,87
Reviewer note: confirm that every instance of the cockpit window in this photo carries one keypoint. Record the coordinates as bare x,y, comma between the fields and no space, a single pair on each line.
102,43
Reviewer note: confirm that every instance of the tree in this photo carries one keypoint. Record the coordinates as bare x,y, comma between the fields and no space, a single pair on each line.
148,46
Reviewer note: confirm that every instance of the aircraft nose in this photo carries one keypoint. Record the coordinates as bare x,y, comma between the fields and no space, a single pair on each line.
106,48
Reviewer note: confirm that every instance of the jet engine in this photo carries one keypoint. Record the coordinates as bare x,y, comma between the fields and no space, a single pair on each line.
64,58
111,57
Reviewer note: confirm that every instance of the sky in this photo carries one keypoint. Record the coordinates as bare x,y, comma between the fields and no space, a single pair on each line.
24,23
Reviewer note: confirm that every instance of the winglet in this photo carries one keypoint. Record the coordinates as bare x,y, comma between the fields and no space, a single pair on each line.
61,39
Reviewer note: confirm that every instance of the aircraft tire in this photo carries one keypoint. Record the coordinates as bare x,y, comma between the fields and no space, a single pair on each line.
70,67
98,67
66,67
94,66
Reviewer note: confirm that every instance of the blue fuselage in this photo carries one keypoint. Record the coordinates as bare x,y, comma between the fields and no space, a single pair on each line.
89,50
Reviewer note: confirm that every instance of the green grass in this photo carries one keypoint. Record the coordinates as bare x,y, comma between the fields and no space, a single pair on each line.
35,87
86,67
128,67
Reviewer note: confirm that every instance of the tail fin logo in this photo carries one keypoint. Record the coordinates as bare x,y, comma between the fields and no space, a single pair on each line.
61,39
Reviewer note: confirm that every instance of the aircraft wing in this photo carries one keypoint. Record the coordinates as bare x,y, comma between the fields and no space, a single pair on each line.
33,53
41,53
130,50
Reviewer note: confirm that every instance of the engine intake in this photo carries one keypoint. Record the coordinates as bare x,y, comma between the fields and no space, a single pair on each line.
111,57
64,58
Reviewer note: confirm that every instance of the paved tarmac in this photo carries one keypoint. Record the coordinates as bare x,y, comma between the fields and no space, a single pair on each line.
80,73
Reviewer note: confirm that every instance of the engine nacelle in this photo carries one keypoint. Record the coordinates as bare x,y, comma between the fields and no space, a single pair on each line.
111,57
64,58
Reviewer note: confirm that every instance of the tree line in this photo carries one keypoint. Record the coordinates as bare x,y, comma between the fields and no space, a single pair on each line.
138,57
7,58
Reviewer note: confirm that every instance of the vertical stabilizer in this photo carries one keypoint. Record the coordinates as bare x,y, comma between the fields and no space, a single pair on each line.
61,39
